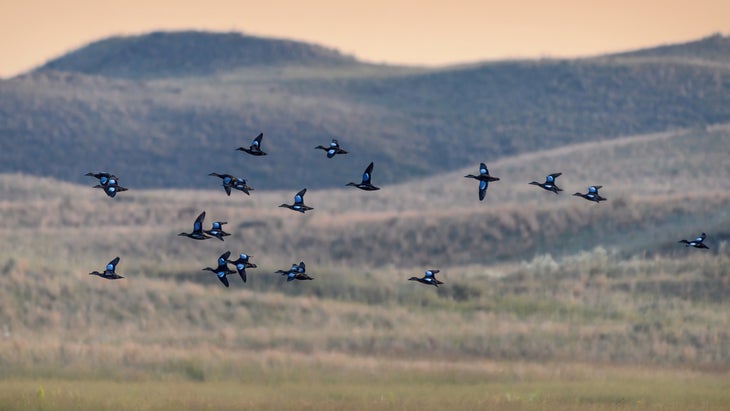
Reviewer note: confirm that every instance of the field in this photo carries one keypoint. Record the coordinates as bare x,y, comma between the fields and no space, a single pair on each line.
549,302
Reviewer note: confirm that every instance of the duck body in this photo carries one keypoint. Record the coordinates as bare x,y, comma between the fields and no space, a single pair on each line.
429,278
298,203
333,149
366,183
549,183
222,270
484,179
255,148
592,194
197,233
109,271
698,242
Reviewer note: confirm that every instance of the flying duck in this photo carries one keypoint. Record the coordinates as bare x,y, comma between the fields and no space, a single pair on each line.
102,176
255,149
549,183
592,194
429,277
108,182
242,264
698,242
298,203
109,273
222,270
366,177
296,272
333,149
231,182
217,230
197,233
484,179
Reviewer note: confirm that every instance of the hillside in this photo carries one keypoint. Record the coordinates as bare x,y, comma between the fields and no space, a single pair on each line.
189,53
170,132
714,48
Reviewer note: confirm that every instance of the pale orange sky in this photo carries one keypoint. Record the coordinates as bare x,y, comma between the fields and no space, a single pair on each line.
431,32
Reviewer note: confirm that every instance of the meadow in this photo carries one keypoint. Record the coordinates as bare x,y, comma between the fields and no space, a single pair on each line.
550,302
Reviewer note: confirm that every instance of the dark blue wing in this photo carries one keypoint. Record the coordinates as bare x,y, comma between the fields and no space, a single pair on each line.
112,264
299,197
483,169
198,224
257,141
368,174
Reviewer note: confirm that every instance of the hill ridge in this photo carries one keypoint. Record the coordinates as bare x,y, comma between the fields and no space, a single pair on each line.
189,53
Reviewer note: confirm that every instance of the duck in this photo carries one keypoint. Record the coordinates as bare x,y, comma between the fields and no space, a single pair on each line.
296,272
298,203
333,149
592,194
109,272
216,230
366,177
429,278
484,179
231,182
102,176
222,270
197,233
108,182
255,149
549,183
698,242
242,264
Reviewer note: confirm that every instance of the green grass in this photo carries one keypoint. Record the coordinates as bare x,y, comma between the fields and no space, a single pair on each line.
389,386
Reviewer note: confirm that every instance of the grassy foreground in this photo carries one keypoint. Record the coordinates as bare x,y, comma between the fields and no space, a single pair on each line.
390,385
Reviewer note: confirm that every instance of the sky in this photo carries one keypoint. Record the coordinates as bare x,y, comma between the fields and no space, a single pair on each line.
413,32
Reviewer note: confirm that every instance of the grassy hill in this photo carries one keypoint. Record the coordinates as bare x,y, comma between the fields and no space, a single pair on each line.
189,53
529,275
170,129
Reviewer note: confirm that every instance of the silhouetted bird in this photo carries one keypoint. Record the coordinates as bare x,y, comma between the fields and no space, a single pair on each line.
222,270
217,230
102,176
298,203
197,233
296,272
109,272
231,182
549,183
484,179
333,149
366,177
592,194
242,264
429,277
255,149
108,182
698,242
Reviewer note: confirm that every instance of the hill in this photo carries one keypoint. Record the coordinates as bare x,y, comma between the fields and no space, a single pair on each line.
189,53
173,131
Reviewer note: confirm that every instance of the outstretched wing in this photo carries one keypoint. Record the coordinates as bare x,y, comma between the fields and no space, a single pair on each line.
701,238
257,141
368,174
483,169
482,189
550,178
198,224
112,264
594,189
299,197
222,259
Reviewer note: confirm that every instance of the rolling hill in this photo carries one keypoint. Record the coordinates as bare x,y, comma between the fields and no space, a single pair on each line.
165,109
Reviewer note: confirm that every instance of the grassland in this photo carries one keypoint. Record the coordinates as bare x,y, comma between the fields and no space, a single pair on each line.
550,302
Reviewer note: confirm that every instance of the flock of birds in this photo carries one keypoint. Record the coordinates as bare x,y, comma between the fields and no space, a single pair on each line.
110,184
